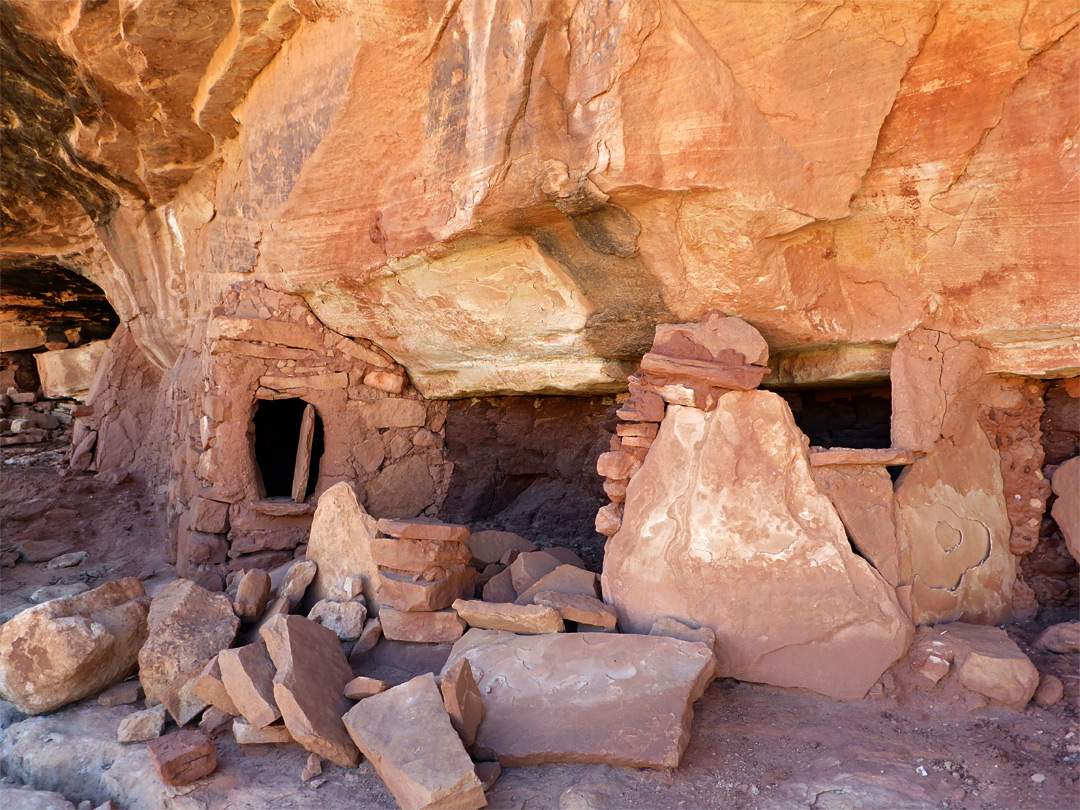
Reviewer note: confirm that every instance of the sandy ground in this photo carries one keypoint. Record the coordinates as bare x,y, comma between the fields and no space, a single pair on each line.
752,746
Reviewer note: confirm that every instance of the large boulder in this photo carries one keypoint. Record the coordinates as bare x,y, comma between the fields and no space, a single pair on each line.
188,625
584,697
340,543
790,603
69,648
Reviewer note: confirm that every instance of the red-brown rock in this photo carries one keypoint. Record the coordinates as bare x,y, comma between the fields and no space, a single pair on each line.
429,627
461,696
182,757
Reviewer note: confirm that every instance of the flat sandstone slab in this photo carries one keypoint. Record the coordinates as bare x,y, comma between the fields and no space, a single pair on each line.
407,735
587,698
508,616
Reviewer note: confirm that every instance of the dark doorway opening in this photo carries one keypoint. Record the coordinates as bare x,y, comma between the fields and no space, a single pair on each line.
278,424
859,418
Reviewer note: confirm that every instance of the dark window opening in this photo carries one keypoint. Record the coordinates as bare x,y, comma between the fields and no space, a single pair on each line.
278,424
859,418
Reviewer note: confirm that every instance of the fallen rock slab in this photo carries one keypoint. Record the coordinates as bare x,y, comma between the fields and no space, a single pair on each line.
623,700
418,556
576,607
247,673
987,661
402,591
530,619
461,697
70,648
407,735
564,579
188,626
432,628
500,588
182,757
528,567
309,686
121,694
363,687
142,726
367,641
488,773
208,687
252,594
423,530
1066,509
296,582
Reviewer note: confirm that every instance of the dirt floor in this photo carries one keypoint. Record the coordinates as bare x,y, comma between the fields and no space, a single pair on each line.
752,746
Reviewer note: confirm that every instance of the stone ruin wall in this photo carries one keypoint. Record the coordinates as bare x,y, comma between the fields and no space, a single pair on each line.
522,236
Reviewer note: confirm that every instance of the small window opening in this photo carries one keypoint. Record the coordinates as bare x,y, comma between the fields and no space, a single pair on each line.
858,418
288,447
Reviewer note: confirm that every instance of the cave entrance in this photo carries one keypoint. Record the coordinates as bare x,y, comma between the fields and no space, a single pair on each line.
857,418
288,447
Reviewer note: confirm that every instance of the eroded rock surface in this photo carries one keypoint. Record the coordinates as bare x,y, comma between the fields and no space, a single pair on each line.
789,602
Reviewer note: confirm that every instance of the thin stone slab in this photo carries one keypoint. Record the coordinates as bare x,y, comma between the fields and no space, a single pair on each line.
297,581
209,688
363,687
424,530
246,734
576,607
404,592
406,734
142,726
366,643
121,694
309,686
529,567
247,674
500,588
530,619
564,579
252,595
623,700
432,628
461,696
419,556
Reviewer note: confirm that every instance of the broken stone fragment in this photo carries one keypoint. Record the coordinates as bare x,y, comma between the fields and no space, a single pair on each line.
1059,638
70,648
778,583
247,674
617,464
69,560
716,337
423,530
246,734
252,594
188,626
308,688
609,519
121,694
312,768
565,556
669,626
419,556
431,627
490,546
500,588
406,734
564,579
528,619
340,542
576,607
488,773
215,722
987,661
142,726
208,687
528,567
182,757
362,687
567,697
461,697
346,619
297,582
643,406
403,591
367,641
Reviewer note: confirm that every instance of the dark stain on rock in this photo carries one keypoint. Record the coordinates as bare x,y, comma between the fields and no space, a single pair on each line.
625,293
41,95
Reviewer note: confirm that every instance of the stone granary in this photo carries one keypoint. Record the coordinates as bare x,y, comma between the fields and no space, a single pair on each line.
503,365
